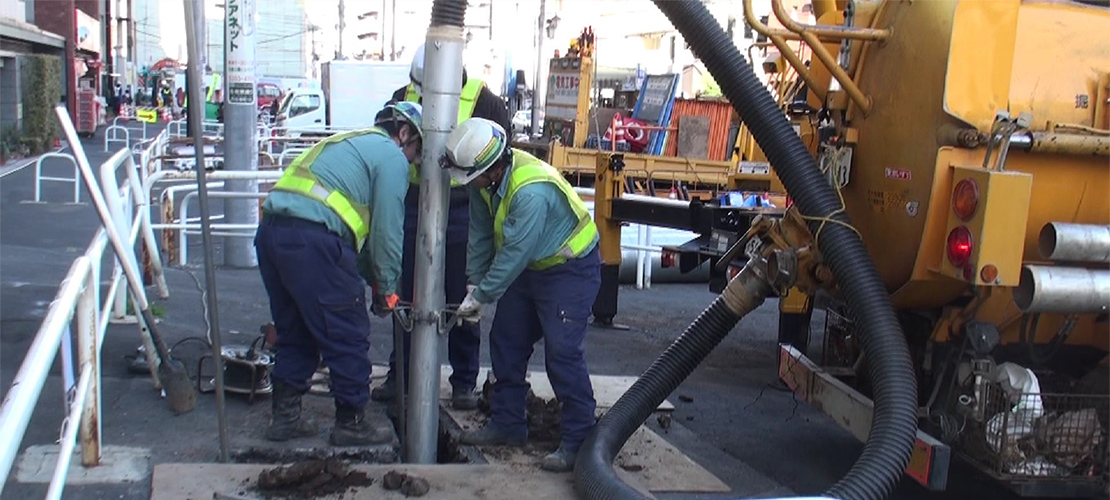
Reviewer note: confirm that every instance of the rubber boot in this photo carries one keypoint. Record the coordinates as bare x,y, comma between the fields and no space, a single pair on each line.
385,392
464,399
285,415
561,460
352,429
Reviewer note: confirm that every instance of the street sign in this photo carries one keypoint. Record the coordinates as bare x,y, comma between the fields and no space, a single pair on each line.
149,115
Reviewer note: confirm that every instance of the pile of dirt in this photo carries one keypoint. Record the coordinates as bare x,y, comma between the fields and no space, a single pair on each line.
310,479
410,486
544,417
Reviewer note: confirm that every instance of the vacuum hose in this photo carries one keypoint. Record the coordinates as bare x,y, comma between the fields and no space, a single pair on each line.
894,422
448,13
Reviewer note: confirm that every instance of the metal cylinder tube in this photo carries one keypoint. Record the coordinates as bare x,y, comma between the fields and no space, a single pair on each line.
442,87
1062,143
1061,241
1063,289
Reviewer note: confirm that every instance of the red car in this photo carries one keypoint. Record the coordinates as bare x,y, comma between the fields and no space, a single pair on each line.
267,94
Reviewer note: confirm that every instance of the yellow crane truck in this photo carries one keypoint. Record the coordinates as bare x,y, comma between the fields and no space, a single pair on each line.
966,147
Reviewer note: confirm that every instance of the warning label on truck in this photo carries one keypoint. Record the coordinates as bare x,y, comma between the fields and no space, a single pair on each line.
884,201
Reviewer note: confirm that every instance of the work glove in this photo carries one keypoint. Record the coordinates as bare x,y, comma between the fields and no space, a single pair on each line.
384,304
470,311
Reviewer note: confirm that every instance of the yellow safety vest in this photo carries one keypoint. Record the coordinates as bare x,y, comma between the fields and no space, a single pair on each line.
468,99
528,169
298,178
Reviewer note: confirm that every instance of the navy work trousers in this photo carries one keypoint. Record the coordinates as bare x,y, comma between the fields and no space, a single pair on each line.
553,304
465,339
318,303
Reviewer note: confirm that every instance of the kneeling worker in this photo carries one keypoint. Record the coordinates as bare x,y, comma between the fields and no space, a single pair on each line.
532,246
347,191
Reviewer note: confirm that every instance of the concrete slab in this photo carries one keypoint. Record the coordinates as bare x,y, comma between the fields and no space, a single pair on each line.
647,458
607,388
118,464
448,482
248,443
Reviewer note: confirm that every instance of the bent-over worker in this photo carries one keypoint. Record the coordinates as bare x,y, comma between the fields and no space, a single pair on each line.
464,339
343,196
532,249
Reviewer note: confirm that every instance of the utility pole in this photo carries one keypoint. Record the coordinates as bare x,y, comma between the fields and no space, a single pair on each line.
342,24
538,83
240,124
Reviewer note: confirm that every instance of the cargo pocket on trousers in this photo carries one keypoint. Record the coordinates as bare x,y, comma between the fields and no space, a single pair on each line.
345,317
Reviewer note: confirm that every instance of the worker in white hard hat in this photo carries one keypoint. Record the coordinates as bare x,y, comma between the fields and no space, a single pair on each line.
533,250
464,340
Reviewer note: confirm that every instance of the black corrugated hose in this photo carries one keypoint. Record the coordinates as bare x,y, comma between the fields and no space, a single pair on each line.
894,423
448,12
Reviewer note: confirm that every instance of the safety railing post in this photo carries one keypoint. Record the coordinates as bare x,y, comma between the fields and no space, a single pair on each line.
640,254
647,265
88,355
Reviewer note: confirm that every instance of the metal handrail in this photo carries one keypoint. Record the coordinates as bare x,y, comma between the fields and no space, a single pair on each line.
810,34
778,38
79,301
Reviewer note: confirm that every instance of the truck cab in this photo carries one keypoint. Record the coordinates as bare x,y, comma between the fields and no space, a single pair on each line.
302,109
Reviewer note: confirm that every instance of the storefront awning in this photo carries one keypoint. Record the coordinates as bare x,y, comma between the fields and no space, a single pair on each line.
16,30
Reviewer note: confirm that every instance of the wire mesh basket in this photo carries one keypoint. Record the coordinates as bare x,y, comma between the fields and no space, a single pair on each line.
842,348
1029,437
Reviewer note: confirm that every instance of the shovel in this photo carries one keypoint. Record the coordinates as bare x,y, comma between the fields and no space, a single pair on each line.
175,379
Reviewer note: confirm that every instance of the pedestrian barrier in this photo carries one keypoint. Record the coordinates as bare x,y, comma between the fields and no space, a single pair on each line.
76,179
80,310
113,133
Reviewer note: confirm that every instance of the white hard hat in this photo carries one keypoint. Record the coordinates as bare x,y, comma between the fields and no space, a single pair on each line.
472,148
416,69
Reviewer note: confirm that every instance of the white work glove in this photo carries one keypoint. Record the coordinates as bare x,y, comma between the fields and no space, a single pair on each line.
470,310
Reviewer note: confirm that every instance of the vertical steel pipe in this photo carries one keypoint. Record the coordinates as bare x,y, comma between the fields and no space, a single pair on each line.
441,90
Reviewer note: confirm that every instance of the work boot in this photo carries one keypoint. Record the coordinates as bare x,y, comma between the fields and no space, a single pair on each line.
352,429
492,435
560,460
285,415
385,392
464,399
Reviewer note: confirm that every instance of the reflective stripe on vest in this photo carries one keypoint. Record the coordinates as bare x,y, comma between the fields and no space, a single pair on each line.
527,169
298,178
468,100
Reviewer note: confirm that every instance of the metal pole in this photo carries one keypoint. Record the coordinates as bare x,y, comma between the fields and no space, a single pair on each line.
538,83
392,32
240,124
194,15
442,85
342,24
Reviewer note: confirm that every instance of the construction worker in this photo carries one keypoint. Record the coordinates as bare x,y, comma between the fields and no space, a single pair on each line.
338,208
532,249
464,340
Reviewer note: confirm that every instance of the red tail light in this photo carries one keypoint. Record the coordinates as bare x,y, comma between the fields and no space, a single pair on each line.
667,259
959,246
965,199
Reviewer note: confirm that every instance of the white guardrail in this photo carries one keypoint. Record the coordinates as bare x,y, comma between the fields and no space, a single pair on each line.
80,310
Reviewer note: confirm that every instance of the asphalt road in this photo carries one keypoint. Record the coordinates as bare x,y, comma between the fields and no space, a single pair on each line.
757,439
